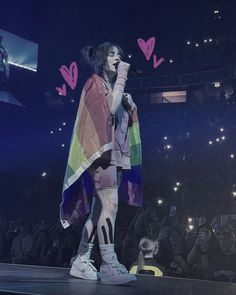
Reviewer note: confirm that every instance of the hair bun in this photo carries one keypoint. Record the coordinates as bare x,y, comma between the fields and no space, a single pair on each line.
92,52
88,53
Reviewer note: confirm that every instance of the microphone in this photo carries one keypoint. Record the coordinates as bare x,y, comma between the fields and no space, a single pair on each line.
132,70
136,72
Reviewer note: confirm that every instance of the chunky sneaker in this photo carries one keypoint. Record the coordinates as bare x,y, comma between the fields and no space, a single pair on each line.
114,273
84,269
120,266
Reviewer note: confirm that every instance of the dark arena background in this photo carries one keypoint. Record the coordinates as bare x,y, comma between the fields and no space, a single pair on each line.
185,91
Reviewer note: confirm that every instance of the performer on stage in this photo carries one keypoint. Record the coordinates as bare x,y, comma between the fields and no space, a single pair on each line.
105,154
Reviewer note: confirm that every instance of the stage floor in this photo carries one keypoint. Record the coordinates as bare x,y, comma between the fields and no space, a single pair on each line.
25,279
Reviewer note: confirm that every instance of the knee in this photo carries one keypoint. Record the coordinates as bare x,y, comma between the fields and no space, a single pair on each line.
114,207
111,206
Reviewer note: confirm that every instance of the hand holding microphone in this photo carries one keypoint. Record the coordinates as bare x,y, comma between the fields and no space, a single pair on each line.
127,67
118,90
122,68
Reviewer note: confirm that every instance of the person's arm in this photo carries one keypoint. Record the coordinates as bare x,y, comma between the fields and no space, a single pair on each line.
118,90
193,253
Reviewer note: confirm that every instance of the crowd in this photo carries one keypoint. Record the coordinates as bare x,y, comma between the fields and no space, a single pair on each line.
164,245
202,252
24,242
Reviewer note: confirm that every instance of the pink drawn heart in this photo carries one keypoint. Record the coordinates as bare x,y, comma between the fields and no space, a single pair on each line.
156,62
62,91
147,47
70,75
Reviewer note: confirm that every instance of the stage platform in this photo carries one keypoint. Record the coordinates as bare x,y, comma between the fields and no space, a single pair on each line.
25,279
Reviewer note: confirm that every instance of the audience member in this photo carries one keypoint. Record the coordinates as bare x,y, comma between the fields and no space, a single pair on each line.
147,264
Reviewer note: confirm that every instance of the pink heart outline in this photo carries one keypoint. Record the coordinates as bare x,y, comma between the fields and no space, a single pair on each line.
156,62
62,90
70,75
147,47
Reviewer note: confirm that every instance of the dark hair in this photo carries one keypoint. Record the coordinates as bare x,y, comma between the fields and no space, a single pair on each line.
183,242
176,229
97,57
206,226
213,243
26,223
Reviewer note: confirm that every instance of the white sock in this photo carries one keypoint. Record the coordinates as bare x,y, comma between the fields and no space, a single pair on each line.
107,252
85,250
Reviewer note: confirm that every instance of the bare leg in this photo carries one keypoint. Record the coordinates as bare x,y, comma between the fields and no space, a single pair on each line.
82,266
90,227
106,223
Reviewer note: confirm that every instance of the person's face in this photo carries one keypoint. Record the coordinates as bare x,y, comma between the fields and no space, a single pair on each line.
204,235
226,242
113,58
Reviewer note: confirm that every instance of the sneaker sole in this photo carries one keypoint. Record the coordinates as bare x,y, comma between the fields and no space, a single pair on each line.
76,274
120,282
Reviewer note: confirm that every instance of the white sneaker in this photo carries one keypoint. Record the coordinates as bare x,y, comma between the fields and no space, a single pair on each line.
114,273
120,266
84,269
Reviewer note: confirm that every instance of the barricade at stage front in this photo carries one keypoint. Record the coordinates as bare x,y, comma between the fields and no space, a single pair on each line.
27,279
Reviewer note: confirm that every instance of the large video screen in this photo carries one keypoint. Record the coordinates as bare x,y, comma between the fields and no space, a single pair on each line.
21,52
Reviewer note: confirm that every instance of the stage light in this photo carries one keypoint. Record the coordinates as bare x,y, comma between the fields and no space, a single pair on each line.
216,84
72,100
216,11
205,40
232,156
178,183
59,129
190,219
168,146
210,142
129,55
234,194
175,189
188,42
23,67
197,45
171,61
223,137
210,40
43,174
217,139
63,145
64,123
221,129
191,227
159,201
51,132
165,138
